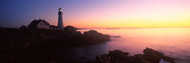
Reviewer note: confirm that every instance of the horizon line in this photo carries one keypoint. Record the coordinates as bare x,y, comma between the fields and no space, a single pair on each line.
128,27
110,27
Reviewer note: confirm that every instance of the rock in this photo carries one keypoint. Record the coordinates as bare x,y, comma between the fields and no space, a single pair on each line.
118,54
93,37
155,56
42,45
149,56
70,29
152,55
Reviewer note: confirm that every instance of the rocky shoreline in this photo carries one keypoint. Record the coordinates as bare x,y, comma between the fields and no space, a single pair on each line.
148,56
47,46
43,45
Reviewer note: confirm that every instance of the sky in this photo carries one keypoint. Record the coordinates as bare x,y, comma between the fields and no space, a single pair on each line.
97,13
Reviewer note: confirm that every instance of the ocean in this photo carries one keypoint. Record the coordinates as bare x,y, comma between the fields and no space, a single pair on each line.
173,42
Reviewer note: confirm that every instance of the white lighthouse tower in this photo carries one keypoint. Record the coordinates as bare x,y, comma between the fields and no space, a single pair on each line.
60,19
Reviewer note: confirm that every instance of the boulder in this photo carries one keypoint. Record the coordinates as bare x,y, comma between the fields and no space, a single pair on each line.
155,56
149,56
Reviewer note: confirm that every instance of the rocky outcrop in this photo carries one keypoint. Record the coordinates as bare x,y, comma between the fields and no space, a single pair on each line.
70,29
149,56
70,36
154,56
41,45
92,37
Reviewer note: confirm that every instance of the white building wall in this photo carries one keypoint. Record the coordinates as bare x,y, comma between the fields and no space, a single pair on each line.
42,25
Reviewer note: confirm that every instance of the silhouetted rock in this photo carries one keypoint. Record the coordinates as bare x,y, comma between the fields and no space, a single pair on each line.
149,56
93,37
41,45
70,29
154,56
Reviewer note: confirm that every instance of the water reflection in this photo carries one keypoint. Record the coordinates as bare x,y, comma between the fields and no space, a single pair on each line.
173,42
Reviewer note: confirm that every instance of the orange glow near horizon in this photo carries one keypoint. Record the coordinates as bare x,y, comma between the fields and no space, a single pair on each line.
133,14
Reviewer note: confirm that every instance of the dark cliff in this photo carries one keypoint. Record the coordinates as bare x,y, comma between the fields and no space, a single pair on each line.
42,45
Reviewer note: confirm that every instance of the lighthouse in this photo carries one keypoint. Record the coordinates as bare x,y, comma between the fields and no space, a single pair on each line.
60,19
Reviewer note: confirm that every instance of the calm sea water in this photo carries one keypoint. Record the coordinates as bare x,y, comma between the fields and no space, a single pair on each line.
173,42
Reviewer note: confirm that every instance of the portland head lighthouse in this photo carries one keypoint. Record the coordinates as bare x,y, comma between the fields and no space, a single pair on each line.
60,19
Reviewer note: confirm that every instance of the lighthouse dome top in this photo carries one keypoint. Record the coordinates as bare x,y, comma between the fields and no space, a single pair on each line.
60,10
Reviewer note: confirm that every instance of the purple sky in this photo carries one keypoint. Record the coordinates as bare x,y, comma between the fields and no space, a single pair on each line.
98,13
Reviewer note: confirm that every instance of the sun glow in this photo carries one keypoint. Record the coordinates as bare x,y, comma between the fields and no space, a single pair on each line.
137,13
